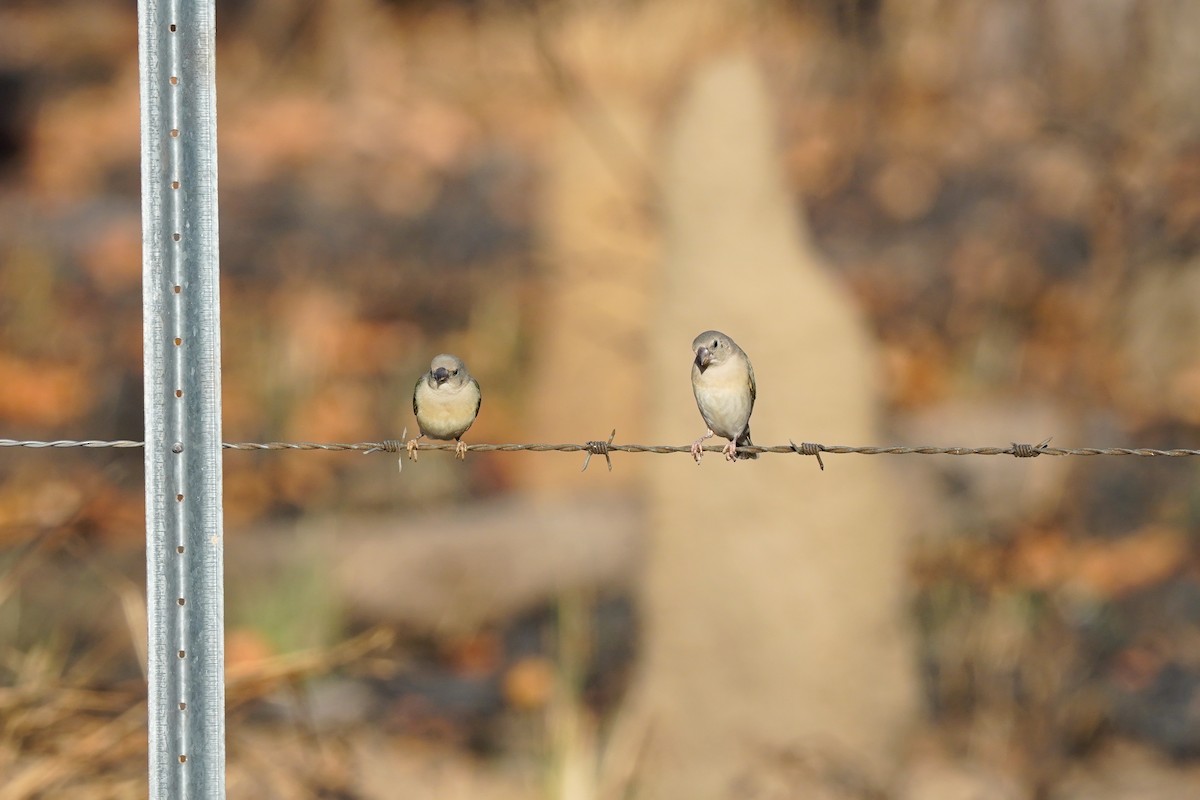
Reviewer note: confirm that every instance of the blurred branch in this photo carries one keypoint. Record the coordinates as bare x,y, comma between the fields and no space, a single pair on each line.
253,680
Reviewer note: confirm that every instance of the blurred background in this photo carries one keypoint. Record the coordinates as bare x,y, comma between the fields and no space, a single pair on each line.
926,222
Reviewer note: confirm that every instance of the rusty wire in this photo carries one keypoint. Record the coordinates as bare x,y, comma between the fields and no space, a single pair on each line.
606,447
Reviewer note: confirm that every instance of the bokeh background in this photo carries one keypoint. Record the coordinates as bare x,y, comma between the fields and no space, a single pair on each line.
927,222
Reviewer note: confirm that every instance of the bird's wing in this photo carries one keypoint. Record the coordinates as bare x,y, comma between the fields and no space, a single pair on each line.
478,396
416,386
753,388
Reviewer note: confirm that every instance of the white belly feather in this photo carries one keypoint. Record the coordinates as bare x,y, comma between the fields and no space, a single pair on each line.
723,396
445,413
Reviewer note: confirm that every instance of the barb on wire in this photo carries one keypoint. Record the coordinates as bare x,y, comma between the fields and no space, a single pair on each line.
606,448
809,449
1030,450
599,448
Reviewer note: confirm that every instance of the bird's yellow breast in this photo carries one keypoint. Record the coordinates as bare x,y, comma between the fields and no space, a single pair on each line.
444,413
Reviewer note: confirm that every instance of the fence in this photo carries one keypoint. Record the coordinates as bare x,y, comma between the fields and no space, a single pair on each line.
183,437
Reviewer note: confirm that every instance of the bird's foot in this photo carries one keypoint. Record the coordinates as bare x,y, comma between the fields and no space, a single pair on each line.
698,446
730,451
460,450
411,447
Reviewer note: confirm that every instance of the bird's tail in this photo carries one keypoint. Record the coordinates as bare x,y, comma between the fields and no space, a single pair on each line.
743,440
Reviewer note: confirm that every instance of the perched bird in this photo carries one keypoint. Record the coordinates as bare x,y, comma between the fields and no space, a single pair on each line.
723,382
445,402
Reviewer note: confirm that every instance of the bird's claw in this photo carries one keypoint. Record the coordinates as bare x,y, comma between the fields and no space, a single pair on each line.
730,451
460,450
411,447
698,450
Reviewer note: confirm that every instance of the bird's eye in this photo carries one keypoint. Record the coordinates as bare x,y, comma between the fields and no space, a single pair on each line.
453,372
716,344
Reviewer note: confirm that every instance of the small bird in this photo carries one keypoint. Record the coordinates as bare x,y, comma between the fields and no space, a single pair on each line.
445,401
723,382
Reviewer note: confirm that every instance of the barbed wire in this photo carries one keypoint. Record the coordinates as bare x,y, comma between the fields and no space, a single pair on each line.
71,443
607,447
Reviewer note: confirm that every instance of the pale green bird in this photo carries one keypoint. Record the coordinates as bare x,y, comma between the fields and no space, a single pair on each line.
446,401
723,382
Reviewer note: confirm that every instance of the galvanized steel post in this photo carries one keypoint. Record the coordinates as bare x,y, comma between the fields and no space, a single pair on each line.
182,360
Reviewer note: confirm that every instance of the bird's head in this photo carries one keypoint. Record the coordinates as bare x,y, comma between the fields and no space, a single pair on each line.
446,368
711,347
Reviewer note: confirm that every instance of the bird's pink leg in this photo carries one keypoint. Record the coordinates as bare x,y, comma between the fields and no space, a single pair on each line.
411,447
730,451
460,450
698,445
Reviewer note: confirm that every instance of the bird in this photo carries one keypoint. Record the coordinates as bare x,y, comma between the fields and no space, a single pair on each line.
446,401
723,382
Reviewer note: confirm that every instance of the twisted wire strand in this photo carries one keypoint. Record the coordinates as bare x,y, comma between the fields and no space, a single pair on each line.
601,447
70,443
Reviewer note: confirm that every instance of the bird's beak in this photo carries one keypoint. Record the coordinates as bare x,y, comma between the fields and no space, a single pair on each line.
441,375
703,357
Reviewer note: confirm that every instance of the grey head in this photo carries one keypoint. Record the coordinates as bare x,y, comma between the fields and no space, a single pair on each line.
447,369
713,348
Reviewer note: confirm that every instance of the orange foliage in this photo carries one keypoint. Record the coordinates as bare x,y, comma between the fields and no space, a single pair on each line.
42,394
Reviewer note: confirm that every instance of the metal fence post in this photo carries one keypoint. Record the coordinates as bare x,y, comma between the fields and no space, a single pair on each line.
182,358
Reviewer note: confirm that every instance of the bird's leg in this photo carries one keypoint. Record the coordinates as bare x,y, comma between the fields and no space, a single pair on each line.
460,450
730,451
411,447
698,445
